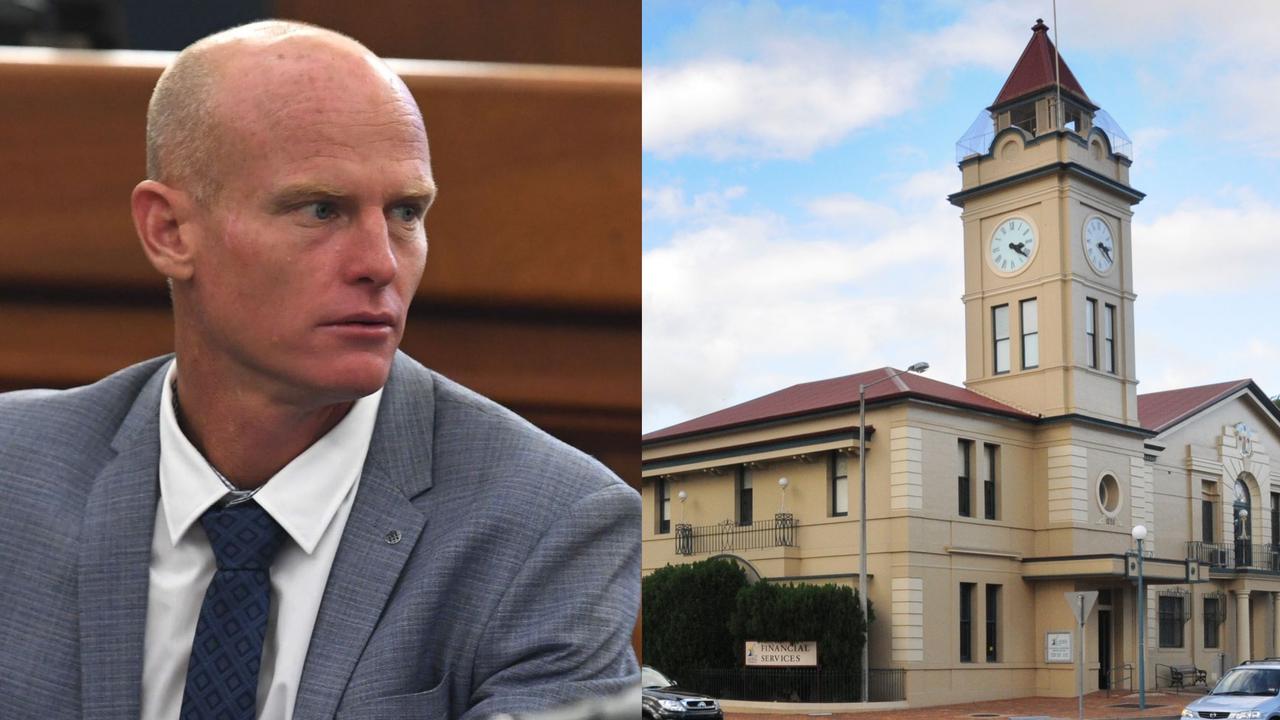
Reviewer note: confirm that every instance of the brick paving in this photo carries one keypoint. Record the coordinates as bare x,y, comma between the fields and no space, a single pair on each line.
1097,706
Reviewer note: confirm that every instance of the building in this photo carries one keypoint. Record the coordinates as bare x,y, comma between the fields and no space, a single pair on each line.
986,503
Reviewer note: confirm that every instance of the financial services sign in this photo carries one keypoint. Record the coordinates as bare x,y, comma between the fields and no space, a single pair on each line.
778,654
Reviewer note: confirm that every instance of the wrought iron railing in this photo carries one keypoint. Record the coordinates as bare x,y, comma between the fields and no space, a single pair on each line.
729,536
1235,556
1119,679
796,684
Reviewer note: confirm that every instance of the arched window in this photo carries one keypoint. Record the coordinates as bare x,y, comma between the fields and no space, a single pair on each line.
1242,518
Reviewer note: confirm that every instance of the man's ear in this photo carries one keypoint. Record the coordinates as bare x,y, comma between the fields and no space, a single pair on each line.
159,214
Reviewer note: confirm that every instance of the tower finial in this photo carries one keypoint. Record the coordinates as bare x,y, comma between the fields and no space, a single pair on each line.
1039,26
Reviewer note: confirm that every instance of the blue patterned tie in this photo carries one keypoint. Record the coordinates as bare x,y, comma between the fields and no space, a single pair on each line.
222,677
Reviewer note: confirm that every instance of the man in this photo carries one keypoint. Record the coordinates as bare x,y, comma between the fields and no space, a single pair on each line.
288,518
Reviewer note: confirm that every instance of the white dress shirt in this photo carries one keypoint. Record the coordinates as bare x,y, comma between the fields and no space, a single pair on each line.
310,498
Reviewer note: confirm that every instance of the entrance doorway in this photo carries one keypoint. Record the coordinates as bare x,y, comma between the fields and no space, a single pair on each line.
1105,680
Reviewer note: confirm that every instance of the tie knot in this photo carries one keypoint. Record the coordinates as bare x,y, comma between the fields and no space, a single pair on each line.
243,536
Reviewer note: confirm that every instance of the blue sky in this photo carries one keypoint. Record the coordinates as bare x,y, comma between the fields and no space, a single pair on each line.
797,157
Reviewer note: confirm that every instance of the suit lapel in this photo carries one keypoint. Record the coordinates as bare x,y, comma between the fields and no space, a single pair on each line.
380,534
115,554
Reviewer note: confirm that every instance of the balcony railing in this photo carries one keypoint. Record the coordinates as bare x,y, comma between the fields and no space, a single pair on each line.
1227,557
729,536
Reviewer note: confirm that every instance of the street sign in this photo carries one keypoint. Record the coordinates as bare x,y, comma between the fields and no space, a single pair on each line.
1081,603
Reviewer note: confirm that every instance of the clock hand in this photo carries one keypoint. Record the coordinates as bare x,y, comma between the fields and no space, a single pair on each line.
1105,252
1019,248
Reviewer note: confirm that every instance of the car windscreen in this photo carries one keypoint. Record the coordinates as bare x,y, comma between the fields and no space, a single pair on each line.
651,678
1249,681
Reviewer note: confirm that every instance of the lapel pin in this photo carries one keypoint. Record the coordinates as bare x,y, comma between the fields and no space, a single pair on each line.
392,537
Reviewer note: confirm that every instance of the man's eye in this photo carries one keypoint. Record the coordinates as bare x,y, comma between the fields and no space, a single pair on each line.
322,210
406,213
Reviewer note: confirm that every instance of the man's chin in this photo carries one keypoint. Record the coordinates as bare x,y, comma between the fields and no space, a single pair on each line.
348,381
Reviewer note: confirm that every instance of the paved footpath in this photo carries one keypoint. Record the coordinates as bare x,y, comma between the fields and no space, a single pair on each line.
1097,706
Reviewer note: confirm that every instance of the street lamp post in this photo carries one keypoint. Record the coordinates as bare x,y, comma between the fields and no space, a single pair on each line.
862,516
1140,534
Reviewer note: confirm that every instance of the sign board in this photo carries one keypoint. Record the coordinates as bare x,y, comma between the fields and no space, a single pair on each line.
1081,603
778,654
1057,647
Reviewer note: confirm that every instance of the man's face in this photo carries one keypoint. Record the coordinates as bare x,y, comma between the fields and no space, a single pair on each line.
310,253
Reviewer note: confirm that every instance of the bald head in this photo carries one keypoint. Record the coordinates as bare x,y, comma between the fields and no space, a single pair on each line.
202,93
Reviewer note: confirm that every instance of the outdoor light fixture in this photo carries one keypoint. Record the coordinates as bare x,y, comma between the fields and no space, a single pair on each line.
862,516
782,483
1140,534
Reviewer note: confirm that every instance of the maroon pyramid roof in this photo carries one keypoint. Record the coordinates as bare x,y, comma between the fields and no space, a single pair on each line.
1034,71
831,394
1159,411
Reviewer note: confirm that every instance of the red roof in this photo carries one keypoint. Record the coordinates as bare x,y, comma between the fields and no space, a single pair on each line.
1034,71
841,392
1159,411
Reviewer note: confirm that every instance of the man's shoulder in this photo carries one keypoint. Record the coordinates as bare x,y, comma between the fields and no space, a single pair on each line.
477,437
78,414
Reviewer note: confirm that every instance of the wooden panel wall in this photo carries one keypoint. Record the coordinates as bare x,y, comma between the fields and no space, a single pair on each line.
560,32
532,289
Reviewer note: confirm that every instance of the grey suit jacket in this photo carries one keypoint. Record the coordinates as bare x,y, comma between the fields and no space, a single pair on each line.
513,586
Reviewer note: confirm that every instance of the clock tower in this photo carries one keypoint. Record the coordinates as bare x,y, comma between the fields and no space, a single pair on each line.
1047,246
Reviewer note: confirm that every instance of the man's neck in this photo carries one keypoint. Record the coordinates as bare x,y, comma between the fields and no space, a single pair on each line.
245,436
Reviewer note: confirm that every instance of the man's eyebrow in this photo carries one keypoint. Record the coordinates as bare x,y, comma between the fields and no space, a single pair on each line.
424,193
291,196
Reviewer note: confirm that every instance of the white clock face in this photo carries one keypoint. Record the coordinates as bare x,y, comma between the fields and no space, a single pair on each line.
1012,245
1099,247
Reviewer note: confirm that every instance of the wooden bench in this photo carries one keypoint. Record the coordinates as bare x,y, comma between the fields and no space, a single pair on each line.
1181,676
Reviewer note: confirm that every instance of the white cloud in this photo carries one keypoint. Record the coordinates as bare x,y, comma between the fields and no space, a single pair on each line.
782,107
736,306
757,80
668,202
788,89
1200,249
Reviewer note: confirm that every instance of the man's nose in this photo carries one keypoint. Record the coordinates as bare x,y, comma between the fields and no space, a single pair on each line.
371,253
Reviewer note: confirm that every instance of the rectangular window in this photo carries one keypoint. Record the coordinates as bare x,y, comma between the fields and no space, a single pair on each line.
1212,611
1275,520
966,622
1030,334
1109,338
1000,327
1090,332
1206,520
839,484
993,623
1170,621
744,496
991,454
963,485
662,491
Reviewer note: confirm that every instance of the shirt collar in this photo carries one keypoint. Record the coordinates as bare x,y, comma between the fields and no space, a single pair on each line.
302,497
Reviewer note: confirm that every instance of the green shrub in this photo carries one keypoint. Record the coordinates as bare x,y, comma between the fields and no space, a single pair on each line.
828,614
685,616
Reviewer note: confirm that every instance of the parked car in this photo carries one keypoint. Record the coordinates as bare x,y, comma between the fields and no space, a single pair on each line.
662,700
1247,691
